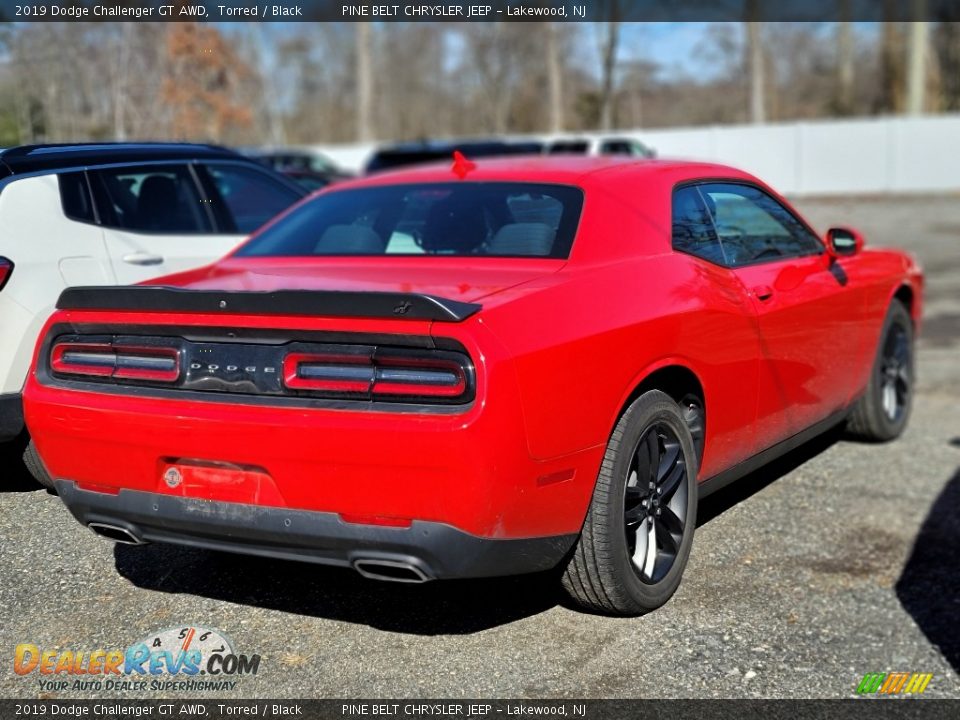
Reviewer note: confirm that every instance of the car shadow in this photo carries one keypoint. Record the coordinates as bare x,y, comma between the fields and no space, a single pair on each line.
752,483
437,608
929,586
14,476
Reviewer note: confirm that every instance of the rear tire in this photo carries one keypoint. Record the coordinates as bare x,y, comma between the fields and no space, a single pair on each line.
639,528
882,412
33,463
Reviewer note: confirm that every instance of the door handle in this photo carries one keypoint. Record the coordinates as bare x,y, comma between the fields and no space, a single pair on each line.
763,292
142,258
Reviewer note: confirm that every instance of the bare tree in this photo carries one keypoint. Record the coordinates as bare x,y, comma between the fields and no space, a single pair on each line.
845,65
891,61
119,81
266,67
554,77
947,35
608,63
364,64
495,55
919,50
755,63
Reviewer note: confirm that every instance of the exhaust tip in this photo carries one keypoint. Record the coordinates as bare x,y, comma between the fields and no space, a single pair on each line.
390,570
115,533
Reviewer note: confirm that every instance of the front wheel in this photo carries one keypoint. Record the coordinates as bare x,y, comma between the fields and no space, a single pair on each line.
639,528
882,411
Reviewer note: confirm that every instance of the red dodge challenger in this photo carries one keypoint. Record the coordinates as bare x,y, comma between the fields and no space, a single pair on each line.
475,371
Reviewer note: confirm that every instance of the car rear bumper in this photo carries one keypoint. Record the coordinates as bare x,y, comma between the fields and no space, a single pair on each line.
421,551
11,416
470,471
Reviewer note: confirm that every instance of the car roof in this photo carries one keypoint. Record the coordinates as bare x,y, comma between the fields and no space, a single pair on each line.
562,169
33,158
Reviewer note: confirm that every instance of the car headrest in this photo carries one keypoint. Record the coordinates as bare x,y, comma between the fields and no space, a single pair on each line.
451,226
157,202
528,238
349,240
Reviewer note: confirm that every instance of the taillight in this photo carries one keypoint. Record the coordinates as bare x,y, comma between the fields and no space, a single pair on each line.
355,374
399,375
117,362
388,374
6,270
333,373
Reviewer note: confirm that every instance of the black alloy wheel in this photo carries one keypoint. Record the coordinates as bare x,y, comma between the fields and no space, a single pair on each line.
894,370
655,502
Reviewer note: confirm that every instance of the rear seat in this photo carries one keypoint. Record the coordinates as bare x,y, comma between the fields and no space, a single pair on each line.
528,238
349,240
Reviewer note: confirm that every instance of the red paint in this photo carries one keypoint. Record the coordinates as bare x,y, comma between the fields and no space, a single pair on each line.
559,347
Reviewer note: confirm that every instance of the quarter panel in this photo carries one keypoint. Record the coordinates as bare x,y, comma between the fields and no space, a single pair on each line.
583,345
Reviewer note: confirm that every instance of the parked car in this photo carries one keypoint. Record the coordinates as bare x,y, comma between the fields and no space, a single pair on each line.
307,179
112,214
599,146
393,157
502,367
313,170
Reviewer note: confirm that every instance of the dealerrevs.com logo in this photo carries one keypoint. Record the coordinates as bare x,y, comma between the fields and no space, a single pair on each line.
188,658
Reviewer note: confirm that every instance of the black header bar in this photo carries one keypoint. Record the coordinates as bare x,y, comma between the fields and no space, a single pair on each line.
477,11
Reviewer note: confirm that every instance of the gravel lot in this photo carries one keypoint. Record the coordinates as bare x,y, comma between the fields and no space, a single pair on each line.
838,560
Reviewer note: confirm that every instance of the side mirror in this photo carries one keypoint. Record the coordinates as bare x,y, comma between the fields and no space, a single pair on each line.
843,241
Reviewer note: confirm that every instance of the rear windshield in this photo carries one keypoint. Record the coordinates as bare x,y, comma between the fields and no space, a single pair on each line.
453,219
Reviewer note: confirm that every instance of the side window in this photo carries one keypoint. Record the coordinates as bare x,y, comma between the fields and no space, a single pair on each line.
75,197
753,227
245,197
616,147
693,231
569,147
151,199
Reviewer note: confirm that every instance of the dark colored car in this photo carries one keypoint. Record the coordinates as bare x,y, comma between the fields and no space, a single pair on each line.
403,155
309,169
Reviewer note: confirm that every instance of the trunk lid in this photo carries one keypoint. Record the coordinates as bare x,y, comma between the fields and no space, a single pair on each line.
460,279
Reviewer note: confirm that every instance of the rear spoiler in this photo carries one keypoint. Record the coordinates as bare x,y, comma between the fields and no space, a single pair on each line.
405,306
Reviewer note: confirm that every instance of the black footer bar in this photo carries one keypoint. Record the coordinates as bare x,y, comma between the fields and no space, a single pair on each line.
215,709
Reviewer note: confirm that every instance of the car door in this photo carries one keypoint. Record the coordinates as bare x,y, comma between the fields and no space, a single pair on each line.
156,220
807,315
727,343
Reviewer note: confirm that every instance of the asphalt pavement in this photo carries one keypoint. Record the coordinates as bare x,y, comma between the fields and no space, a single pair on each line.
838,560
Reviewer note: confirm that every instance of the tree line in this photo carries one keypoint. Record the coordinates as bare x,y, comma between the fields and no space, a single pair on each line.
343,82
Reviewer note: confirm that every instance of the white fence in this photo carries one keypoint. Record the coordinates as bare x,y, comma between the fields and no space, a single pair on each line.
875,155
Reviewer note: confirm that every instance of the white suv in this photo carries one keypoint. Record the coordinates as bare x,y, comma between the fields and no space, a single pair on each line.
113,214
602,145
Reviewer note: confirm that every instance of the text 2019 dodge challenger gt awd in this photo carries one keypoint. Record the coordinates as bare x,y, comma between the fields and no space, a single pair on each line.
481,371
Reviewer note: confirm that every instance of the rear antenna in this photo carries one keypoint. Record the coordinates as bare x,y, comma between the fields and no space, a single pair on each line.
461,165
